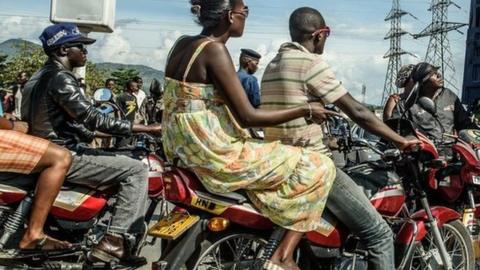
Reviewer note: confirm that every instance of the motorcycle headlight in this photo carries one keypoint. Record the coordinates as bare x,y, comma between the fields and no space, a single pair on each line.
476,179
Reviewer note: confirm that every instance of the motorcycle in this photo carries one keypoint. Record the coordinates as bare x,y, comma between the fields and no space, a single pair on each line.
456,185
79,215
225,231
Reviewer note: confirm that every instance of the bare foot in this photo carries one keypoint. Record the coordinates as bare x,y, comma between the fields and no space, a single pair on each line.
43,242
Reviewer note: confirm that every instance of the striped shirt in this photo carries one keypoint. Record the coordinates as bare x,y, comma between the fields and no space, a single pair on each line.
294,77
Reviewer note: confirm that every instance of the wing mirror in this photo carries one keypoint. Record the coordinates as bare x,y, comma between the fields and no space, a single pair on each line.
102,95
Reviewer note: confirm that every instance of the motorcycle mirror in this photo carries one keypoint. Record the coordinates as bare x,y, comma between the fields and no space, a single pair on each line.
102,95
156,89
428,105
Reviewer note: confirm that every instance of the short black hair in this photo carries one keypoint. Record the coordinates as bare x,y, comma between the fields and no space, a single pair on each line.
303,22
129,83
137,78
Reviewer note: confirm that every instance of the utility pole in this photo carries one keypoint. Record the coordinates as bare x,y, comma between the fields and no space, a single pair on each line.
395,52
471,79
439,52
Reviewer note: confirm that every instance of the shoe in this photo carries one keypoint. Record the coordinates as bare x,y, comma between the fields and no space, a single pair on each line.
109,249
112,249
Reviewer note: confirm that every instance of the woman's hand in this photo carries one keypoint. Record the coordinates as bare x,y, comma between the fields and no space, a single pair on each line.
318,113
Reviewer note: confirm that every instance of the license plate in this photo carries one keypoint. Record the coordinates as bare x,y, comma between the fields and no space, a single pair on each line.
172,226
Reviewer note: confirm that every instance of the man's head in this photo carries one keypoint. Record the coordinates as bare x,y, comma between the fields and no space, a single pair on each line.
131,86
249,60
65,42
308,28
139,82
22,77
428,77
110,83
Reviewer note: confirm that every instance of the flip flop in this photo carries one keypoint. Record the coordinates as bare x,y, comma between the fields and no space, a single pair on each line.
40,245
269,265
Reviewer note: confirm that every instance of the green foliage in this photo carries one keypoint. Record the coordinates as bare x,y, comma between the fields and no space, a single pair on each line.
32,59
29,60
95,78
3,65
122,76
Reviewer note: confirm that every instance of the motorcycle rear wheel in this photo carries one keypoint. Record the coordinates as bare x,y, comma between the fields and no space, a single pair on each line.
234,250
459,247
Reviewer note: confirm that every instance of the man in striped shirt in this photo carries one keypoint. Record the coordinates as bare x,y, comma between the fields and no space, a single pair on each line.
298,75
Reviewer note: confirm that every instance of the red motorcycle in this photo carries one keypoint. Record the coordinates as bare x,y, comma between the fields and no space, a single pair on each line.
79,215
456,184
225,231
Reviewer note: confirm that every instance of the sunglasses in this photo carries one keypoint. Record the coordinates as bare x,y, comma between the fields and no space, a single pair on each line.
325,30
82,47
244,12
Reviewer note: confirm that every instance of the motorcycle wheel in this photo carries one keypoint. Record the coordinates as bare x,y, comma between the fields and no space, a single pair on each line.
459,247
234,250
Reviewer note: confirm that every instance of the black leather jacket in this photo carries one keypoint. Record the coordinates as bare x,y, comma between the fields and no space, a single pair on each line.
56,109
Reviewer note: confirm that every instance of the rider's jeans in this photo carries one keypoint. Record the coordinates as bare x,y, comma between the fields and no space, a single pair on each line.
350,205
130,175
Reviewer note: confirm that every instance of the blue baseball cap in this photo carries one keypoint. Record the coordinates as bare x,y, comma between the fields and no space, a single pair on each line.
62,33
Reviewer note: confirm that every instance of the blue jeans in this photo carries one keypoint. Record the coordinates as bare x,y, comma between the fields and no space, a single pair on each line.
349,204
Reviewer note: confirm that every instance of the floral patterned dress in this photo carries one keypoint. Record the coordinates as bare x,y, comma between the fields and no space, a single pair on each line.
289,185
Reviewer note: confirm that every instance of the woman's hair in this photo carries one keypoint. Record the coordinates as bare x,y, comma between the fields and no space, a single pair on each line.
209,12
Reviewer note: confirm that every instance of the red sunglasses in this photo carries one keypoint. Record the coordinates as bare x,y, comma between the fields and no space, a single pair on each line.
325,30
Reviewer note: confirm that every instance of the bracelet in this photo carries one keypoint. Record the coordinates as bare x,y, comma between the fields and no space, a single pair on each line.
310,112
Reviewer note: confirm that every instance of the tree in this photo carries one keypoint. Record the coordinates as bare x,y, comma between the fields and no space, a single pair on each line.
3,65
29,60
95,78
122,76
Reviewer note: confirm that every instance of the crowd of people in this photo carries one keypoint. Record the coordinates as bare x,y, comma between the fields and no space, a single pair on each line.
207,108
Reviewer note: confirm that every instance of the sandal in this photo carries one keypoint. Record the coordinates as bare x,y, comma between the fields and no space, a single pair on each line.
48,244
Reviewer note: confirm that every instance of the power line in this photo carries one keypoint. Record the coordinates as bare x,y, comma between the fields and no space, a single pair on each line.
439,52
395,52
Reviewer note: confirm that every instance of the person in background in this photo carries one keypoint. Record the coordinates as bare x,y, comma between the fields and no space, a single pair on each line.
127,101
141,115
15,100
394,107
451,117
110,84
249,60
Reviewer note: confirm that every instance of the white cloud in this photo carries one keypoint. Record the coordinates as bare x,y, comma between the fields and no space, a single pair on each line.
28,28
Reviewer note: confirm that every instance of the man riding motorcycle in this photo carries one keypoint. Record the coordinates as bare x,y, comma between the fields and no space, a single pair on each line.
56,109
299,74
451,117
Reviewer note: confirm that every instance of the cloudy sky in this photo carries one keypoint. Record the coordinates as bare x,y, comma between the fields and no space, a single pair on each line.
146,29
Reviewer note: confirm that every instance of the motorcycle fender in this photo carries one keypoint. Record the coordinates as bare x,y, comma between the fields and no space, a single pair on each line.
442,215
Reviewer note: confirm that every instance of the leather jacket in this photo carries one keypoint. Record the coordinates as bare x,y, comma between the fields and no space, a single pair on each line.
55,108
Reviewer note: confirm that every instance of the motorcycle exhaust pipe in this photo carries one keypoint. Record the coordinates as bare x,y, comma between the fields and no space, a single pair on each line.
16,219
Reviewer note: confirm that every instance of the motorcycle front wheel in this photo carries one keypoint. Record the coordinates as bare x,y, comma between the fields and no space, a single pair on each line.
229,251
426,254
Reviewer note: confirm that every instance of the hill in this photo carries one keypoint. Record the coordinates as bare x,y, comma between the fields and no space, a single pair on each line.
12,47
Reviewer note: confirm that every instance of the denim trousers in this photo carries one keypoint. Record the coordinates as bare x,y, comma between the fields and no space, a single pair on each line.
349,204
131,176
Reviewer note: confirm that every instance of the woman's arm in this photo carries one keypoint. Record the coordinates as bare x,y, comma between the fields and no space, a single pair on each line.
221,70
